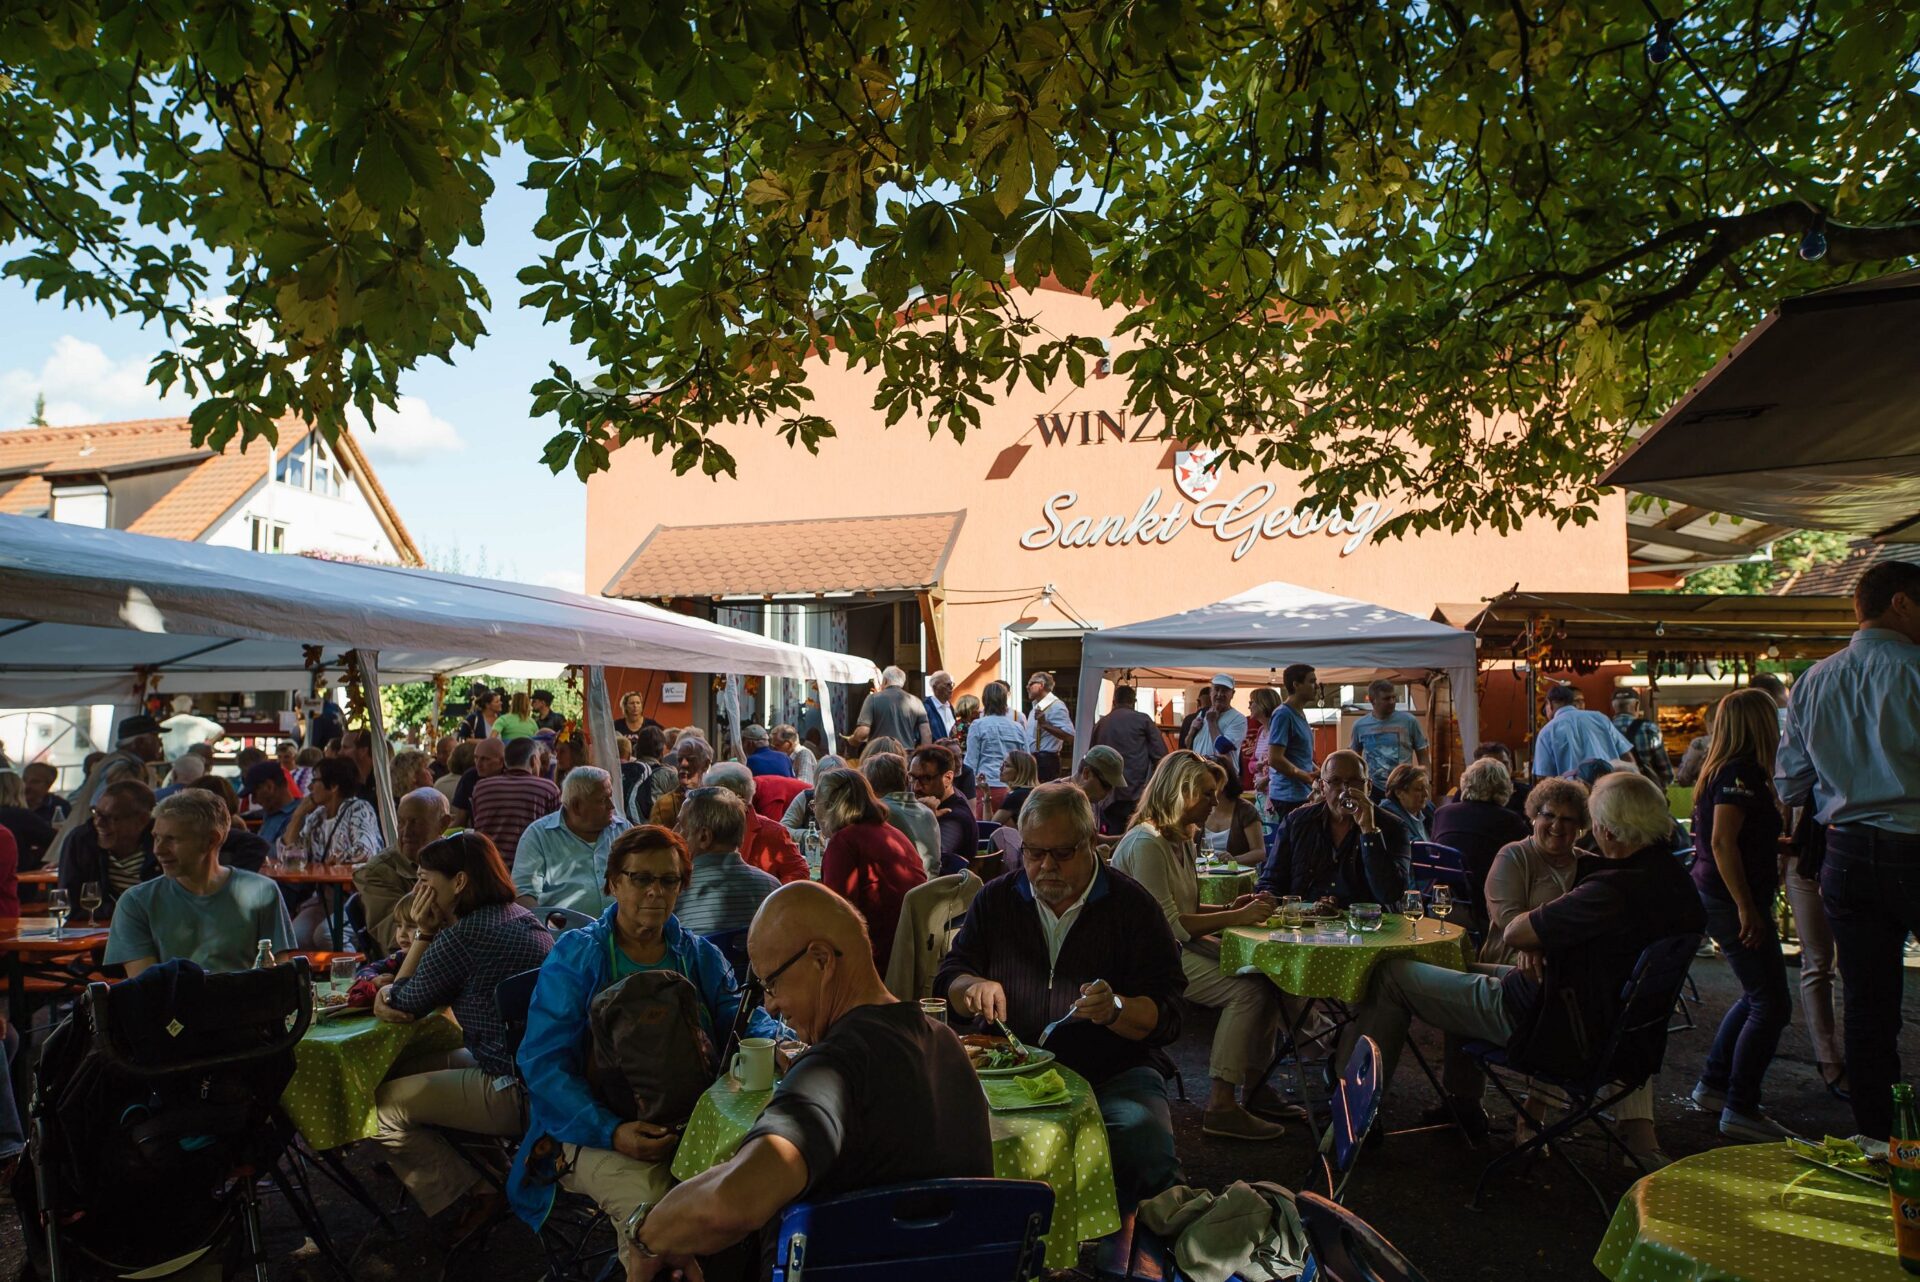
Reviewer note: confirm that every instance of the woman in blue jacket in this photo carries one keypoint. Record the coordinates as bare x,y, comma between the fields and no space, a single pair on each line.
616,1163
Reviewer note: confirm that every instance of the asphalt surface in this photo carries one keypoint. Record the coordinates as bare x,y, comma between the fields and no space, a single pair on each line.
1538,1220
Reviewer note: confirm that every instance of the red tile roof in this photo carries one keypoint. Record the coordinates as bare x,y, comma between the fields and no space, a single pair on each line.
209,486
776,558
1838,578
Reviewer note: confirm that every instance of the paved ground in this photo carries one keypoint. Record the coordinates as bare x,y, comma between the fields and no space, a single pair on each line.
1539,1221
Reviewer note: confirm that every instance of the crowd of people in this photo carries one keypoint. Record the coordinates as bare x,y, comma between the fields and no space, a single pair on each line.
796,894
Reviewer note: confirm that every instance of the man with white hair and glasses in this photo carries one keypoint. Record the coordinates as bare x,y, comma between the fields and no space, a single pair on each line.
1572,956
562,860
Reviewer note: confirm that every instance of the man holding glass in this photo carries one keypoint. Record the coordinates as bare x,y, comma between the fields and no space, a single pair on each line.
1064,934
198,908
1341,848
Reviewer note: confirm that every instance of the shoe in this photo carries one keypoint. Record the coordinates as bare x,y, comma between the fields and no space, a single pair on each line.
471,1216
1752,1126
1707,1099
1707,949
1235,1123
1837,1083
1644,1163
1470,1118
1267,1102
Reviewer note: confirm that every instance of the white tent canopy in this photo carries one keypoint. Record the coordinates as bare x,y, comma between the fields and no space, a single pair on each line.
1254,635
83,610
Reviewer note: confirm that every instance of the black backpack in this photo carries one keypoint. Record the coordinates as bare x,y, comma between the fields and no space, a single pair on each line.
650,1059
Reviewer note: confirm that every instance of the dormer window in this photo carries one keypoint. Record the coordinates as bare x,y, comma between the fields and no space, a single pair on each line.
310,465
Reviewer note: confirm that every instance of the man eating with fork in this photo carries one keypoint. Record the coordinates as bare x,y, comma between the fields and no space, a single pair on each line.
1065,935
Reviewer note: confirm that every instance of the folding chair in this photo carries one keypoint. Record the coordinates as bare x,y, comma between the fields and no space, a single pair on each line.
1647,999
1356,1106
1433,862
733,946
561,920
934,1231
1346,1248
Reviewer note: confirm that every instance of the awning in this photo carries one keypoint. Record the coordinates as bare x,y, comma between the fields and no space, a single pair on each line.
863,554
1591,627
1812,422
82,610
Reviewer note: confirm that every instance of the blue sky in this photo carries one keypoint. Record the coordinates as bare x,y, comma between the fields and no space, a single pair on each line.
461,459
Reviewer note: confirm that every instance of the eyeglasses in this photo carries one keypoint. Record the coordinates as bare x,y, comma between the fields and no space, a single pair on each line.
766,985
1041,854
1557,821
643,881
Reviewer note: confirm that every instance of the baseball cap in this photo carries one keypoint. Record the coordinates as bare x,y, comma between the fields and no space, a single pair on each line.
259,774
1222,679
754,734
1106,764
138,724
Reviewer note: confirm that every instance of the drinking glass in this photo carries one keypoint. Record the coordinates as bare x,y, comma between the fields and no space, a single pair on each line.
58,907
340,973
934,1008
1365,916
1442,906
1330,930
1290,911
295,863
1413,909
91,901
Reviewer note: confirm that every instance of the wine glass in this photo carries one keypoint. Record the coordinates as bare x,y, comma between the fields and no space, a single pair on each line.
58,906
91,901
1442,906
1413,909
340,973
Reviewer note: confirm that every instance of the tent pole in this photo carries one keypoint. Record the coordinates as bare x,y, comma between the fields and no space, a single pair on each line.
369,665
601,749
826,713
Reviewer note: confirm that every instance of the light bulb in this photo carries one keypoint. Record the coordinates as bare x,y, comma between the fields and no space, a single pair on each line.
1659,629
1773,652
1813,245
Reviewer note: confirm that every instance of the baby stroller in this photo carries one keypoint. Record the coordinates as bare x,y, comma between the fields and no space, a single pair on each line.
154,1111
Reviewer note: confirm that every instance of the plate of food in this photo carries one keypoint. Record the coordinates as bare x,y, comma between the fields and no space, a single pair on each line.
1842,1157
336,1006
997,1057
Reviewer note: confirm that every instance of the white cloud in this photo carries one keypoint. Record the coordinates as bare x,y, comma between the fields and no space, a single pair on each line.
565,580
408,433
83,384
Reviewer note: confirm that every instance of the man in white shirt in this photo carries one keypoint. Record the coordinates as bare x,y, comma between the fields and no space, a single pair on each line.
1050,727
939,701
1219,720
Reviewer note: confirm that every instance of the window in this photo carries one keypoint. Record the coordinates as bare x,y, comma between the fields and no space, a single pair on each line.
310,465
268,536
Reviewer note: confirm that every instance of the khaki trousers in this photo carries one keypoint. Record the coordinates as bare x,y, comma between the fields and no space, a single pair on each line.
617,1183
462,1099
1249,1007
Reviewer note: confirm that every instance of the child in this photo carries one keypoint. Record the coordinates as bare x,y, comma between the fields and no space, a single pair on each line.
376,975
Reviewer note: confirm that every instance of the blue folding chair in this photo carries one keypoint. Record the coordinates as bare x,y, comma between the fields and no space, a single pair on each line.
935,1231
1356,1106
1646,1002
733,946
1434,862
1345,1248
559,920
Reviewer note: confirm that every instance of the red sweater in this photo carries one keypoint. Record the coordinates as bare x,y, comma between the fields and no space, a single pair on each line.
873,865
770,848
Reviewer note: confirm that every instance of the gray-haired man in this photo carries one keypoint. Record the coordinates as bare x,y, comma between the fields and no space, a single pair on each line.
562,861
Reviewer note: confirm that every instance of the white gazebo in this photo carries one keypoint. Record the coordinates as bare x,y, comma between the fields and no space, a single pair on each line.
1256,634
92,615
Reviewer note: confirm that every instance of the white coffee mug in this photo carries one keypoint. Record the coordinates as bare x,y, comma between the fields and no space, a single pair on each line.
753,1064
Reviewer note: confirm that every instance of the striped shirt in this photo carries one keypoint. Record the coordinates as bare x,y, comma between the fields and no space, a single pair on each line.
725,893
504,804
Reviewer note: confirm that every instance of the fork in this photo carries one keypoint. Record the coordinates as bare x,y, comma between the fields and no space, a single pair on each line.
1047,1032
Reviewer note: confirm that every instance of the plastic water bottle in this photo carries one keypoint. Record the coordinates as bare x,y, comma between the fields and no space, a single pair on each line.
263,955
1903,1184
813,846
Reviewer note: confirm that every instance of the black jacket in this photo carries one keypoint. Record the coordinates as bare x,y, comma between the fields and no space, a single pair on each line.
83,861
1376,867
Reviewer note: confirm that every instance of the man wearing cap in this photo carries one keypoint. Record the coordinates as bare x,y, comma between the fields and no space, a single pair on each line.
762,757
137,746
266,785
1102,774
543,714
1218,720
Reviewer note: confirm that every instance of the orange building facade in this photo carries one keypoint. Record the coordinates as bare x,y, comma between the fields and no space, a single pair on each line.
990,557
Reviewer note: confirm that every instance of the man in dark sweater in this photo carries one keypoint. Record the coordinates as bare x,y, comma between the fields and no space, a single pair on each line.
1342,848
882,1096
1064,933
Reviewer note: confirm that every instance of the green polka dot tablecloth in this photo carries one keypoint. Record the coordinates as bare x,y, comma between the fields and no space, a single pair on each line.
1064,1147
1308,964
339,1065
1225,887
1750,1213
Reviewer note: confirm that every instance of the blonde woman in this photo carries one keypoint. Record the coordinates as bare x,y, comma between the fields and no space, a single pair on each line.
1019,776
1158,852
410,768
1736,835
1261,705
517,722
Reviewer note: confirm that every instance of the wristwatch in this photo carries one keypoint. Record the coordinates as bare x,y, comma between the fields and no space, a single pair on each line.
1118,1006
632,1231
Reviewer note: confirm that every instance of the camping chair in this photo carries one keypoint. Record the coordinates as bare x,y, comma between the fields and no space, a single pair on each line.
561,920
1355,1108
1346,1248
1647,999
565,1238
933,1231
733,946
154,1111
1434,862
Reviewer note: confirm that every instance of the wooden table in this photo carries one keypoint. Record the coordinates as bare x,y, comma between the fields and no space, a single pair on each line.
36,883
335,882
32,952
